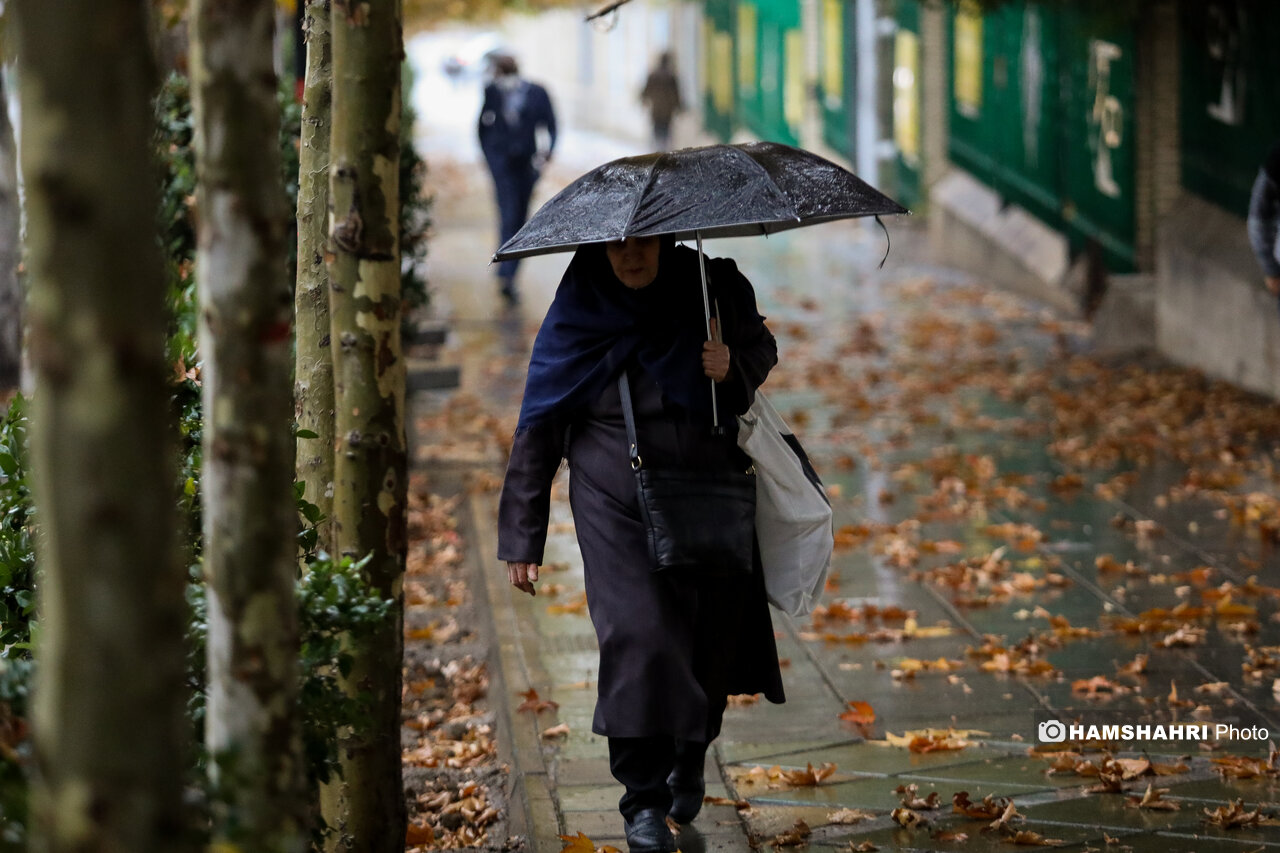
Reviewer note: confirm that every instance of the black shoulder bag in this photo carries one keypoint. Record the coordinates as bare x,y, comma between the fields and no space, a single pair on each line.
703,520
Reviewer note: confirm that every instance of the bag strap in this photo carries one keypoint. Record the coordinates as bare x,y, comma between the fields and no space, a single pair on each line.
629,416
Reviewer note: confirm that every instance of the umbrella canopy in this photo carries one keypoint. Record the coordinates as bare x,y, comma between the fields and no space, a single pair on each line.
713,191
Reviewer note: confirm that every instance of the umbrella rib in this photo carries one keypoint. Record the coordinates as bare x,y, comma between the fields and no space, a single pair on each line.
648,182
768,177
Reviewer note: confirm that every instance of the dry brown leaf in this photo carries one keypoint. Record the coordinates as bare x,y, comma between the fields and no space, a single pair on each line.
988,809
575,607
1027,838
1152,799
809,777
912,801
535,704
579,843
418,833
1135,667
847,817
1129,768
1245,767
1235,816
908,819
859,714
559,731
793,837
1006,817
726,801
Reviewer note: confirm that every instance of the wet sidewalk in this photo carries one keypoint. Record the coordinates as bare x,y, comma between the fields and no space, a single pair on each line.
1016,536
1023,534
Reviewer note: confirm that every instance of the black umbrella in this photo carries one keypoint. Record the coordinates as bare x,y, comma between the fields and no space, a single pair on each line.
713,191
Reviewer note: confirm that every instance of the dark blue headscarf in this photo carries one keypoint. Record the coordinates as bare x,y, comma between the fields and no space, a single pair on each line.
596,323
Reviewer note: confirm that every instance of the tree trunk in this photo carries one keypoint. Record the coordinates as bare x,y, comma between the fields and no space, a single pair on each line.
108,707
369,375
10,252
250,522
313,374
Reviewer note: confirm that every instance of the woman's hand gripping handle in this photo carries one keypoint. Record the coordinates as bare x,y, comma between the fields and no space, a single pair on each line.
715,355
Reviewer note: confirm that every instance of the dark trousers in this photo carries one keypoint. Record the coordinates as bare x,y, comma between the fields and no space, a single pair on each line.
643,764
513,182
661,135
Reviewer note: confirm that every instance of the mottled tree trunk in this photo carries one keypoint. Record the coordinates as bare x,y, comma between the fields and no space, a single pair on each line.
10,253
369,375
313,371
108,722
251,726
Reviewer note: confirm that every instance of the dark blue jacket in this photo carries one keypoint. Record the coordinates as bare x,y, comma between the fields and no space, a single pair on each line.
503,140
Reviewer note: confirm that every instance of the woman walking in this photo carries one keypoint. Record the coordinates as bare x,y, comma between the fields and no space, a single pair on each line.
673,644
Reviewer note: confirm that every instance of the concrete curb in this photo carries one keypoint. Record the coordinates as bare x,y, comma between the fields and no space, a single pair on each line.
533,810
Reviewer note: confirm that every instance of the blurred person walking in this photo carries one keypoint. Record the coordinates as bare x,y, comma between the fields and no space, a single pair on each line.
661,94
1264,219
514,111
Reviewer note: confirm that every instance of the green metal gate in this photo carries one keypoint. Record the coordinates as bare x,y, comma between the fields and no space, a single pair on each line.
1042,112
907,76
718,58
1100,162
837,79
1230,108
770,68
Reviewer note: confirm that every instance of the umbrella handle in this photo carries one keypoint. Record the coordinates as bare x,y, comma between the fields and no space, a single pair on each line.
706,314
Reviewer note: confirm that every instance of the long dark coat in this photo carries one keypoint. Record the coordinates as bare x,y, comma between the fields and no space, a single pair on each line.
672,646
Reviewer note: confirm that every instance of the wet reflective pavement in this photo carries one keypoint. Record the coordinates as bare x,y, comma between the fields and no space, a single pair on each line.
1024,533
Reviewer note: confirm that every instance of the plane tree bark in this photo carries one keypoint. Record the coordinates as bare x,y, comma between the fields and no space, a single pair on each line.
250,521
313,368
369,377
11,309
108,729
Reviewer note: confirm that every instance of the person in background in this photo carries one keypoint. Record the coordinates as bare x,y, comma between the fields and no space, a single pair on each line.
1264,219
661,94
514,111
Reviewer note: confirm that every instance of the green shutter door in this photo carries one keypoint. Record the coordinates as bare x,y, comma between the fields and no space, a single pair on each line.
1042,112
1099,83
837,80
718,67
771,68
1230,96
908,141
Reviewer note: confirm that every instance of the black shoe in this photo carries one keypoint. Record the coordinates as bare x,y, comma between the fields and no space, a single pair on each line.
648,833
508,291
687,790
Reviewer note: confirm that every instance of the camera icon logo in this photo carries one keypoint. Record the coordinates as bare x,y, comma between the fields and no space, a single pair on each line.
1051,731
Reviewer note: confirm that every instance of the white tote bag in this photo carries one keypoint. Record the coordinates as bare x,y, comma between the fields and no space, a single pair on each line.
793,515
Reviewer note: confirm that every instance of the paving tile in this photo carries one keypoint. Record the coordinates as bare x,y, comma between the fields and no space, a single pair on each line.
1219,790
1250,839
582,771
596,825
767,820
876,793
924,839
1111,811
1025,771
867,758
734,752
588,798
691,840
1167,843
544,820
547,843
